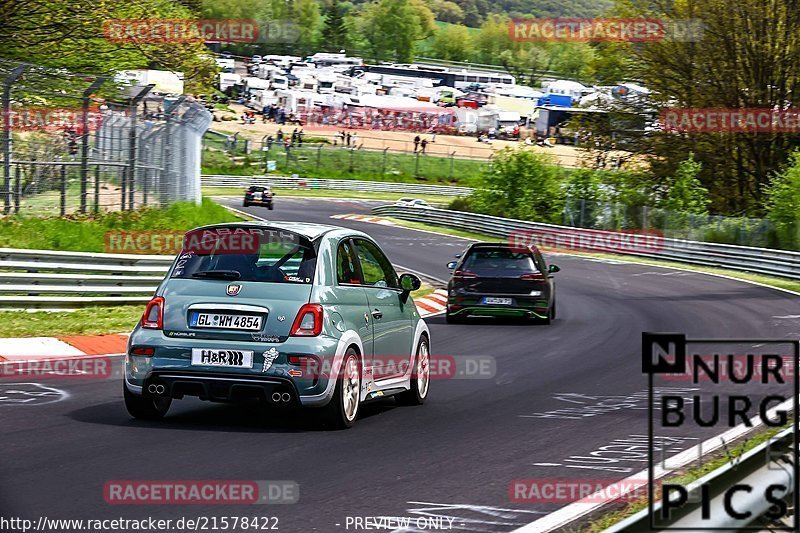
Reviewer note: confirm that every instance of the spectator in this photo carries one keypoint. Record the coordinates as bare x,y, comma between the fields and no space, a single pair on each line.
294,136
354,139
416,143
279,135
270,140
423,144
347,138
300,135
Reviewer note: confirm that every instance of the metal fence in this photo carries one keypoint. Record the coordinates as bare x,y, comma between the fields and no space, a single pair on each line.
781,263
769,464
283,182
31,279
328,160
66,149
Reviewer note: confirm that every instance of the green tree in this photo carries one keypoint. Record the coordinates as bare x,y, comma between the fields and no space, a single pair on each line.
447,11
306,16
685,193
391,28
334,34
493,39
783,193
453,43
521,184
747,56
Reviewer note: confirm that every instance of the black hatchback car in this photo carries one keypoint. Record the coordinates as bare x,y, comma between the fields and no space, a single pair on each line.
257,195
496,279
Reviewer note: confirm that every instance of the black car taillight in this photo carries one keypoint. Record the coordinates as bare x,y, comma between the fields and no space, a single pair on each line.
532,277
143,350
153,317
463,274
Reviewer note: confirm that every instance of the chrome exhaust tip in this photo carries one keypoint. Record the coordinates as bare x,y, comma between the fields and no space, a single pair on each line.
286,397
276,397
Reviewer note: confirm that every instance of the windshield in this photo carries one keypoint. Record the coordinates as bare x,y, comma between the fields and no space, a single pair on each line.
246,254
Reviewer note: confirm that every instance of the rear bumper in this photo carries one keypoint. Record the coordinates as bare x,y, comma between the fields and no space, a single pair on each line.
522,305
220,387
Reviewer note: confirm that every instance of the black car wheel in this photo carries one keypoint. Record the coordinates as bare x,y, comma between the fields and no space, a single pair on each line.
270,206
246,204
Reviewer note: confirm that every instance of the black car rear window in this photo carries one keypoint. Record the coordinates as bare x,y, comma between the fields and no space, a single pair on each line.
490,261
247,254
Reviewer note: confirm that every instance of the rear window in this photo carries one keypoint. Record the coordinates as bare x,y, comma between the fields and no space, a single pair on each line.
499,260
247,254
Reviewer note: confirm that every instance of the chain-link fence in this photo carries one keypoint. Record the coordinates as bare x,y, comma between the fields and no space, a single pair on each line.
67,149
324,160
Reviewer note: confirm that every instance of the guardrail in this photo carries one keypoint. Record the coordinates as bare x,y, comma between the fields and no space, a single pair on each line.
284,182
31,279
780,263
770,463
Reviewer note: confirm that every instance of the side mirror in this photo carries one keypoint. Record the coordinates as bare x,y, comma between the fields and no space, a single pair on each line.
451,265
553,269
408,283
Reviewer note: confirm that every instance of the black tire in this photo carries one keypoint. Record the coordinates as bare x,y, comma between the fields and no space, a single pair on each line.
145,408
452,319
245,204
551,315
419,388
269,207
334,415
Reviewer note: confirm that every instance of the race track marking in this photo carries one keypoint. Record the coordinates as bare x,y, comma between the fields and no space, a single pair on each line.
365,218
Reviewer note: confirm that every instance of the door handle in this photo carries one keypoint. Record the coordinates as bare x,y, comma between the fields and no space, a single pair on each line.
377,314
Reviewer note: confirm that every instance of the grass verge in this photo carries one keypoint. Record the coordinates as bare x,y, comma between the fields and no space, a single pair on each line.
86,233
86,321
329,193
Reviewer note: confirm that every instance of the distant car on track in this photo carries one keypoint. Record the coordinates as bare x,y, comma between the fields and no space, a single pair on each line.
412,202
257,195
496,279
296,314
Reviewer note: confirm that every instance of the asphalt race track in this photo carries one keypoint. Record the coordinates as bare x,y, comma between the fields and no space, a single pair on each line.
455,456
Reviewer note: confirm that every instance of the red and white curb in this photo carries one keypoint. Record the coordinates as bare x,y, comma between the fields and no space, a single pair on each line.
434,303
28,348
365,218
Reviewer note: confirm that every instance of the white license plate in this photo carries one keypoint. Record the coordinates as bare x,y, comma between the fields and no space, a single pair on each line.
225,321
227,358
497,301
257,196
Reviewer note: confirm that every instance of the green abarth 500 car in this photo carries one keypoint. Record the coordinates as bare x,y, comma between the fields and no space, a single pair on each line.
294,314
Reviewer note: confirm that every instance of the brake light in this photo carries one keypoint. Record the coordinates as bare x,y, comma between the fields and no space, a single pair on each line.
308,322
153,317
143,350
464,274
532,277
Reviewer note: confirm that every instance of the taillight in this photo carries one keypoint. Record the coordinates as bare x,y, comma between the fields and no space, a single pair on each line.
143,350
308,322
532,277
464,274
153,317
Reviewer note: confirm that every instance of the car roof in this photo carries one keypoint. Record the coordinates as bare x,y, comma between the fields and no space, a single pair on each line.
498,246
309,230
